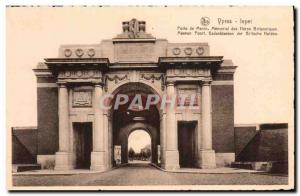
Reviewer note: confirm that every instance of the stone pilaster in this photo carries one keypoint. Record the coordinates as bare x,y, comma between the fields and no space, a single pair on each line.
162,139
206,155
98,154
106,142
110,142
171,152
62,156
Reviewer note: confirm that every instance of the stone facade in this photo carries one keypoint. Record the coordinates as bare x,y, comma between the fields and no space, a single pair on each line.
70,86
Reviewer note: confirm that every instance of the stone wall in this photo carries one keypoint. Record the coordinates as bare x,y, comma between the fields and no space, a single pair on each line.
270,143
47,105
243,134
222,118
24,145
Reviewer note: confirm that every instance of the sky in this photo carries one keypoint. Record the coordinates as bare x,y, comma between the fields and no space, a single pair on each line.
138,139
263,82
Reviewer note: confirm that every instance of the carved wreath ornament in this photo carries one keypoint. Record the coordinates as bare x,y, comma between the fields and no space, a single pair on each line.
176,51
68,52
151,77
200,50
91,52
188,51
115,78
79,52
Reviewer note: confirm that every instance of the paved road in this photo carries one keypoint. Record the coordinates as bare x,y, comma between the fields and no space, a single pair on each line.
143,174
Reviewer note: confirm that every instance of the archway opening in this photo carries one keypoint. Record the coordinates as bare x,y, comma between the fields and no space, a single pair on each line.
139,147
126,119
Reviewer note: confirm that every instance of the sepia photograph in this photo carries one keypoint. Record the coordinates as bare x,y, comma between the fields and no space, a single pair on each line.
163,98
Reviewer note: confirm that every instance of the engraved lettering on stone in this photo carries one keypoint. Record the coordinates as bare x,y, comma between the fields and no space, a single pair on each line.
82,98
136,51
189,93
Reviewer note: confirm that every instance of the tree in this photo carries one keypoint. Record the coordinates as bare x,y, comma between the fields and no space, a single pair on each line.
146,152
131,154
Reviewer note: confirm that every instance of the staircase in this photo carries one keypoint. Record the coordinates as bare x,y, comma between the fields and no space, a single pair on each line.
265,149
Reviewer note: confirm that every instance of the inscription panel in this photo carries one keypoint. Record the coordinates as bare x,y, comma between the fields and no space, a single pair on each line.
131,52
190,95
82,99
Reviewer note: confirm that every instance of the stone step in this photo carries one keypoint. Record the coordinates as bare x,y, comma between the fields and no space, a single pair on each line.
266,166
26,167
259,166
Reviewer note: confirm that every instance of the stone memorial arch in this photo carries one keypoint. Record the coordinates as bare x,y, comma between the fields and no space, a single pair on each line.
74,132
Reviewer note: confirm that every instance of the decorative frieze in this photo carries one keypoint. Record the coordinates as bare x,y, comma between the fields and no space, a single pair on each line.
176,51
68,52
187,49
114,78
200,51
80,51
79,74
91,52
153,78
188,72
